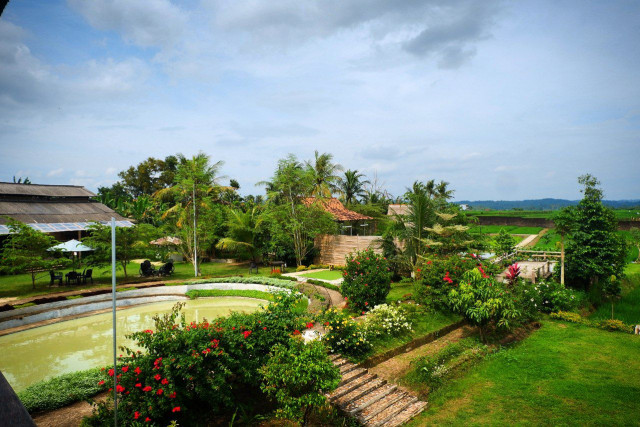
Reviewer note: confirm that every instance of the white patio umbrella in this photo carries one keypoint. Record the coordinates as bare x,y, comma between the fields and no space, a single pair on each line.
72,245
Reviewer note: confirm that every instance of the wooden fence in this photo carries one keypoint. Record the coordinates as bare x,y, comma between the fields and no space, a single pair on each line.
334,248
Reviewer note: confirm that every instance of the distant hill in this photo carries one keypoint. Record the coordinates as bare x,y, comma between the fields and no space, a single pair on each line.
541,204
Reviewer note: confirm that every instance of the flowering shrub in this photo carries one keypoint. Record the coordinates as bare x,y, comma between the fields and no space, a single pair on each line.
367,279
187,366
343,334
386,319
436,274
483,302
545,297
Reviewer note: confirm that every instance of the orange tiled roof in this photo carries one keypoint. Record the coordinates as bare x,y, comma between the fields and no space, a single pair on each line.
336,208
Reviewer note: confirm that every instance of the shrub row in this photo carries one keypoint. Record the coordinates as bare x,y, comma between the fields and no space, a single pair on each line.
323,284
612,325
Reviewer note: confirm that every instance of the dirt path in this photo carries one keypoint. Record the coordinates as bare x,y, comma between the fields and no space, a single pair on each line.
527,241
69,416
397,367
540,234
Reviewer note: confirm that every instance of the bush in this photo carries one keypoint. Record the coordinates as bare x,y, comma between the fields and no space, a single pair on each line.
614,325
568,316
298,376
386,319
435,275
546,297
323,284
343,334
483,302
367,279
187,367
607,325
278,281
302,268
61,391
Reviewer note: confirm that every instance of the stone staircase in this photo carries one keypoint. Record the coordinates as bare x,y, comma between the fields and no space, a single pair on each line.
371,400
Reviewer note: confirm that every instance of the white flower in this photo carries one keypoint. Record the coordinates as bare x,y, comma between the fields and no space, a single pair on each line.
531,299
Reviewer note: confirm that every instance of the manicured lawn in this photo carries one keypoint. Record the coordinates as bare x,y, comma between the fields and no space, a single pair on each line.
20,285
628,308
563,374
400,291
324,275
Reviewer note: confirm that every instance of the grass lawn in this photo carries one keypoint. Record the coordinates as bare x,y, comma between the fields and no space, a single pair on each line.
563,374
628,308
324,275
511,229
399,290
550,241
19,285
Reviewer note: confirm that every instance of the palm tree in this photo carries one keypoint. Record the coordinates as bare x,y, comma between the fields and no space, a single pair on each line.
352,187
325,178
442,191
414,225
243,232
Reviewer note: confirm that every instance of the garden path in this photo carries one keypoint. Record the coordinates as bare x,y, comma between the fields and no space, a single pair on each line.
69,416
527,240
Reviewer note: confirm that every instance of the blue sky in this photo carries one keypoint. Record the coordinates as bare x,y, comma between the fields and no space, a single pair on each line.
505,100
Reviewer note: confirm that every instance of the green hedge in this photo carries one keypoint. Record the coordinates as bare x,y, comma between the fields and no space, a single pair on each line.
61,391
269,281
203,293
323,284
612,325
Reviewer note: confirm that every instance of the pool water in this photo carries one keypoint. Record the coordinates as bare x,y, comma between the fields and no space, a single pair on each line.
45,352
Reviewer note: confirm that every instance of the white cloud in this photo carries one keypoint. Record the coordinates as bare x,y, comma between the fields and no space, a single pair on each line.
55,172
144,23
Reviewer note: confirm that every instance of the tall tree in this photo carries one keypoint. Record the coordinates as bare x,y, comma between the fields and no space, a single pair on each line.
563,220
325,175
195,185
420,216
149,176
290,220
595,251
352,186
27,250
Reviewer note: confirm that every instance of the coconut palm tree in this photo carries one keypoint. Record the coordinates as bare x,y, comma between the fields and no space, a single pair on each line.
243,232
352,186
325,179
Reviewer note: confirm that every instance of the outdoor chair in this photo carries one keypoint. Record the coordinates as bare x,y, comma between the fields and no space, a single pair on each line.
146,269
73,277
87,274
253,267
166,270
55,277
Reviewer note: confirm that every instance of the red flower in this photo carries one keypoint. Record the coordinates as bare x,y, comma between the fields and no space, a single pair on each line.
148,331
419,270
159,392
296,332
119,388
172,395
101,382
125,368
137,371
147,419
176,409
157,377
366,303
246,334
165,381
264,327
428,262
309,325
147,388
136,415
111,372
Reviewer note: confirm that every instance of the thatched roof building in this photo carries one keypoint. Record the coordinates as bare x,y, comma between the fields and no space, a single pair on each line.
55,209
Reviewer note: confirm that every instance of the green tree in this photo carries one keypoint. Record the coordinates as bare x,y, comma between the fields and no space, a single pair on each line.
352,186
149,176
413,226
504,243
27,250
595,251
563,220
243,233
298,376
290,220
324,175
483,302
635,238
193,195
131,243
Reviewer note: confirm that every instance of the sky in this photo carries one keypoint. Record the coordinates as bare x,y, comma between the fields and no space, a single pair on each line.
504,100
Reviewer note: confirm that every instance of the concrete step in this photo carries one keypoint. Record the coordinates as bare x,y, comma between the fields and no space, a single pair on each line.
365,388
347,367
359,405
380,405
391,411
404,416
349,387
335,356
352,375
